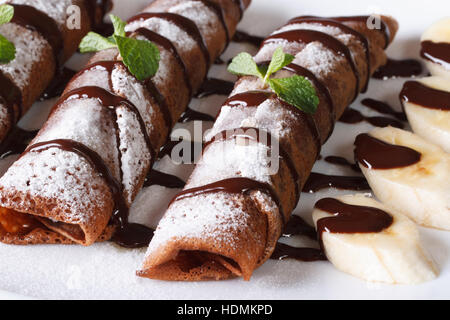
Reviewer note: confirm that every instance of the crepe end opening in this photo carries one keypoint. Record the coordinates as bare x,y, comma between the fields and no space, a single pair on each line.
194,266
16,223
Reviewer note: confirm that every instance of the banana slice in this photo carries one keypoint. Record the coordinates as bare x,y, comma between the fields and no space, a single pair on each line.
435,48
393,255
420,190
431,124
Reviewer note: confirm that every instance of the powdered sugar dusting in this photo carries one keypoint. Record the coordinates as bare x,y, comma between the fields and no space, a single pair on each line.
212,217
56,174
55,9
134,151
317,58
232,158
94,129
182,41
198,12
29,47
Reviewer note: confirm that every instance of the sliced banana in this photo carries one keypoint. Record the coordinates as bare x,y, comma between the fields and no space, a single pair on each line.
439,32
422,190
393,255
431,124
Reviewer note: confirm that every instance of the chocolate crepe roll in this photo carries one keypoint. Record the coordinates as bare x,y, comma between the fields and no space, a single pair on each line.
76,180
228,219
43,40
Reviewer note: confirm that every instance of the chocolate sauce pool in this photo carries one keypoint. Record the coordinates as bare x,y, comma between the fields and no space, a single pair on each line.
398,68
350,218
373,153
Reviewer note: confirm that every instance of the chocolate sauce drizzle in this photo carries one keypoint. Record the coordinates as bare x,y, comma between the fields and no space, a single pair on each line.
342,162
307,36
38,21
255,98
109,66
238,185
319,181
437,52
320,86
364,19
156,177
215,86
16,141
181,22
257,134
352,116
298,226
192,115
422,95
373,153
168,45
350,218
128,234
384,108
283,251
327,22
58,84
242,36
167,149
398,68
218,10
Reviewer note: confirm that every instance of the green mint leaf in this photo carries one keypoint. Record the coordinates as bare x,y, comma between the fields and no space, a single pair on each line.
119,25
140,56
7,50
6,13
279,60
244,65
296,90
94,42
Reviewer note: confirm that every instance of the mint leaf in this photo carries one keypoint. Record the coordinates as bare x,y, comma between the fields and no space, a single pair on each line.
6,13
140,56
297,91
279,60
7,50
94,42
119,25
244,65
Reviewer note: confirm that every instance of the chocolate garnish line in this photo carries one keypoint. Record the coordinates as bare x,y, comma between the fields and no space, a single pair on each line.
181,22
168,45
242,133
373,153
383,26
345,29
437,52
422,95
350,219
238,185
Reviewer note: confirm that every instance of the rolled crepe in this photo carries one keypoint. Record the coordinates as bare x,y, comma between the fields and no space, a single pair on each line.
228,219
44,40
76,180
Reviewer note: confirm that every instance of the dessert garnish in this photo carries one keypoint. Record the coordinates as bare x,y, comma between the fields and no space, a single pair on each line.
140,56
7,48
295,90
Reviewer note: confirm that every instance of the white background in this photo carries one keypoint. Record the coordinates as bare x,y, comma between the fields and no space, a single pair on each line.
106,271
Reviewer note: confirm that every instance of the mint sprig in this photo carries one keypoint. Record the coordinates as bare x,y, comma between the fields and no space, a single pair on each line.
296,90
7,48
140,56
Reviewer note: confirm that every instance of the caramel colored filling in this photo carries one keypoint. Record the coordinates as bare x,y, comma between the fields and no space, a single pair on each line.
19,223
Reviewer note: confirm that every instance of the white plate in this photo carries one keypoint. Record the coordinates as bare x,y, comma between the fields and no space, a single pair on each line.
106,271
